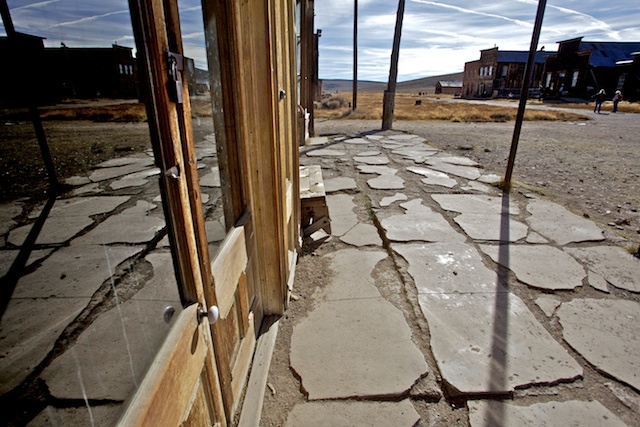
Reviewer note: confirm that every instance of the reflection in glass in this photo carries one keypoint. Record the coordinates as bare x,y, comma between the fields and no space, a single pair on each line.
89,295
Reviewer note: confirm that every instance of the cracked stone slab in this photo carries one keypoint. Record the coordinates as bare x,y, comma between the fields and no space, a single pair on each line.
548,305
457,170
105,173
74,271
77,181
133,225
357,141
419,154
325,152
28,331
597,281
448,267
377,356
82,206
205,152
67,218
386,182
475,203
456,160
369,153
100,415
318,140
535,238
215,230
380,170
540,266
7,213
494,227
8,257
392,145
123,352
55,230
419,223
343,218
211,179
340,183
492,343
549,414
490,178
362,235
353,413
476,186
613,263
434,177
374,137
406,137
136,179
614,348
559,225
372,160
125,161
93,188
387,201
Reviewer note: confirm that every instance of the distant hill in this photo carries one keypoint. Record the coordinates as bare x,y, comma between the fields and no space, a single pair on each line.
338,85
426,84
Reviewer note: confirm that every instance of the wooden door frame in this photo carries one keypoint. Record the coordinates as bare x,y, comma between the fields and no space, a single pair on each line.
250,156
156,27
247,115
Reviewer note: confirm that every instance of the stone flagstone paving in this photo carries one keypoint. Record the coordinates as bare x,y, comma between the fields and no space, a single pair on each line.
466,253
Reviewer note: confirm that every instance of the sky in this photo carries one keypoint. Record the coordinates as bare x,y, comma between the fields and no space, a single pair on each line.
438,37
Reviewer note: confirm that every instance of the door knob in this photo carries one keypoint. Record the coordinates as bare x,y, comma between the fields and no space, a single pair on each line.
212,314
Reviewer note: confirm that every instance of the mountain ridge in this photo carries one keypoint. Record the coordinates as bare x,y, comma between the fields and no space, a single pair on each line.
424,84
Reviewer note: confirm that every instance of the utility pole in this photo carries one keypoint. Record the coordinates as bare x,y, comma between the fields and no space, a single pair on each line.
388,103
528,73
354,96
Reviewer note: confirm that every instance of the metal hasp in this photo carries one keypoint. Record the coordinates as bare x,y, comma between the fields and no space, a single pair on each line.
175,65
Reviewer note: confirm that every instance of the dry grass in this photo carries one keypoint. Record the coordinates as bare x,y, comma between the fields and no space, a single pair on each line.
130,112
431,108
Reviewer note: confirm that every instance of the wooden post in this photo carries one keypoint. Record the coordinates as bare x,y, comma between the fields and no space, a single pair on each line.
6,18
388,102
33,109
528,73
354,97
307,59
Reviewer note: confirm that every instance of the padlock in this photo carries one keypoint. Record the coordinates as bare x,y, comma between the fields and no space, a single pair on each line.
174,84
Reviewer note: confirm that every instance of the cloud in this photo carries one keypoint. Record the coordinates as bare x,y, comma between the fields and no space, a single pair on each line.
437,36
475,12
88,19
34,5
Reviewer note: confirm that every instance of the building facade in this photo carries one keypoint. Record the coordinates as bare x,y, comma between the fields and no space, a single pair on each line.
450,87
500,73
97,72
580,69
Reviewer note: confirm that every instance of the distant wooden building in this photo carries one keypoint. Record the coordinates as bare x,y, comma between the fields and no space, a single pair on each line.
23,78
629,77
500,73
96,72
451,87
580,68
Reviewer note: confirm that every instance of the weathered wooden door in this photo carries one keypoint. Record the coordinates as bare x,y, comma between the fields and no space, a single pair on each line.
198,377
